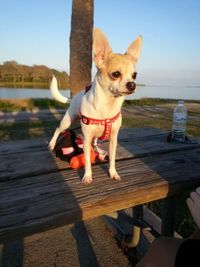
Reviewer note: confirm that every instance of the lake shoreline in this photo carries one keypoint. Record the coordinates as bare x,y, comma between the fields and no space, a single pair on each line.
162,92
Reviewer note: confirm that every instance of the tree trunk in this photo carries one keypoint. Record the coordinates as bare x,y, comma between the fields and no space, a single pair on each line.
81,44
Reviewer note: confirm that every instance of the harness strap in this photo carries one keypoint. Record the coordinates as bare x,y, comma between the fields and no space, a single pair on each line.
107,123
87,88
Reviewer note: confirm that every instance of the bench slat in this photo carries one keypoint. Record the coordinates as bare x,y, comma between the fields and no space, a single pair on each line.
33,157
33,204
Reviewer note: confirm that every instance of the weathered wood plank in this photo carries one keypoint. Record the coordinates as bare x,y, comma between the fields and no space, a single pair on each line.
29,144
34,115
40,143
17,158
27,164
42,202
20,146
155,138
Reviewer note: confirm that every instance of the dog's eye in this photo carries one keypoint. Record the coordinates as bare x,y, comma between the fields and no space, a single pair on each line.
116,74
134,75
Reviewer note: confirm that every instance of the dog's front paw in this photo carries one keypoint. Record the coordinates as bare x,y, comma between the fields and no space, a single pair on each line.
87,179
114,175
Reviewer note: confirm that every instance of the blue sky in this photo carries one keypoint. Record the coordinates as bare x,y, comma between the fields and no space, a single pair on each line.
37,32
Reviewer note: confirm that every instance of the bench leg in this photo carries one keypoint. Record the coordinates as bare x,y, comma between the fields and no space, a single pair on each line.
133,241
135,238
168,209
126,226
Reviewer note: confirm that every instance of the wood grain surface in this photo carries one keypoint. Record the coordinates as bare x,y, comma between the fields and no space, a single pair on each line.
39,192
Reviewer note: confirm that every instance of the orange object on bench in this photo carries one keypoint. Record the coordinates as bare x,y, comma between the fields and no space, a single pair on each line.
78,161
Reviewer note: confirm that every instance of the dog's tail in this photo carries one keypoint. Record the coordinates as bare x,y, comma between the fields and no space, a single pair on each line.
55,93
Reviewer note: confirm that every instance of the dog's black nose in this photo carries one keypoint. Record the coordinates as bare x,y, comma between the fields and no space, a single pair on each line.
130,86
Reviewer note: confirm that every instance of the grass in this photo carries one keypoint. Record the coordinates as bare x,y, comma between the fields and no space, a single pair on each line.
161,123
136,113
162,118
184,224
155,101
9,105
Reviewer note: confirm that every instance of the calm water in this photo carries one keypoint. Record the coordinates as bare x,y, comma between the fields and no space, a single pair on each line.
27,93
143,91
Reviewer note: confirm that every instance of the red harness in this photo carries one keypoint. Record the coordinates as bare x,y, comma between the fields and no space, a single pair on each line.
107,123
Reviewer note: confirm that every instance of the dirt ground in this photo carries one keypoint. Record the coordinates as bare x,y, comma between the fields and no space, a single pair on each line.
86,244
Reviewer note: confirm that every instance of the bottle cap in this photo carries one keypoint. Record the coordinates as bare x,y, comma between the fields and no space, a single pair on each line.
181,102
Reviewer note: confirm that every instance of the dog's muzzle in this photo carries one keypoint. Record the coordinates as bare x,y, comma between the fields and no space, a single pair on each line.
130,86
115,92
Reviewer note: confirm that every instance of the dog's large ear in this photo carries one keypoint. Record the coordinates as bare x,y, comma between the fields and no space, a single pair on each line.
135,48
101,47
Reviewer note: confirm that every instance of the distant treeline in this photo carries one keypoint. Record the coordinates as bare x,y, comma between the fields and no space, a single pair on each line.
16,75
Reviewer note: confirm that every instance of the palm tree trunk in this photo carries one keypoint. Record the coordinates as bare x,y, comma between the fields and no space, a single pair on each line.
81,44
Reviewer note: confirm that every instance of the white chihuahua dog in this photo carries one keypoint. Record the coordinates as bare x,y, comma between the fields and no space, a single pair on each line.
99,107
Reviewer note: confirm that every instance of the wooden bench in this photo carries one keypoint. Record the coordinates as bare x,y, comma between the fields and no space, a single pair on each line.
39,192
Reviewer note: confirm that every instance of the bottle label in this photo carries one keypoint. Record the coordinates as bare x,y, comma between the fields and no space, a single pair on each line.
179,117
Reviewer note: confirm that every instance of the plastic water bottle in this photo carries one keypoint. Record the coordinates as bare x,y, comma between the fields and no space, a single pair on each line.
179,122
